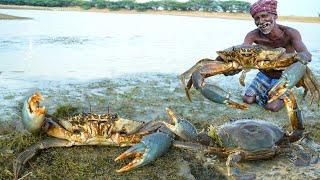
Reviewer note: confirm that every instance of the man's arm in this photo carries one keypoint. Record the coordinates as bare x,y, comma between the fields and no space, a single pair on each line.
303,54
249,39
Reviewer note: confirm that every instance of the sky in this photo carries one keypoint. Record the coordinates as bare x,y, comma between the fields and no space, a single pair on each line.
289,7
297,7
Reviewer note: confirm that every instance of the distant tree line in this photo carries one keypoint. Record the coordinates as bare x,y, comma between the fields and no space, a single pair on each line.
191,5
46,3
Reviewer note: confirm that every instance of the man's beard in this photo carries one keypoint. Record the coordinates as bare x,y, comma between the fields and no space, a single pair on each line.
266,27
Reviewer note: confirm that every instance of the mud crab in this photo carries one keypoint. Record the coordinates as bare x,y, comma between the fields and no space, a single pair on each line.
148,140
245,139
245,58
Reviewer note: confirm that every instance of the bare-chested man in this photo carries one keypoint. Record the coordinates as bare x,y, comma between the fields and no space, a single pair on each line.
271,34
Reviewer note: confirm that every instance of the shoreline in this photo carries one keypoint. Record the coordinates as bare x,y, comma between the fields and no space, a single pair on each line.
220,15
10,17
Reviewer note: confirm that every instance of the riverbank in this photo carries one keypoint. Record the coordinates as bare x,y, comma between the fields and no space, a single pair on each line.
10,17
238,16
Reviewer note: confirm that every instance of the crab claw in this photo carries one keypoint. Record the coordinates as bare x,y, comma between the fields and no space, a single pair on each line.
150,148
215,93
33,115
290,77
188,73
182,128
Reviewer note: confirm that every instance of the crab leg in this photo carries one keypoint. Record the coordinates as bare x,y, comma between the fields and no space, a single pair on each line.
295,116
205,68
31,151
195,67
233,169
290,77
243,77
150,148
311,84
212,92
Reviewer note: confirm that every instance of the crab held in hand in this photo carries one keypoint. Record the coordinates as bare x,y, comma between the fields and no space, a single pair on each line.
246,57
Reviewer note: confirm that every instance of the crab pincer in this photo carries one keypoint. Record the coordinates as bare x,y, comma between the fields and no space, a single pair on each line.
215,93
289,78
150,148
33,114
182,128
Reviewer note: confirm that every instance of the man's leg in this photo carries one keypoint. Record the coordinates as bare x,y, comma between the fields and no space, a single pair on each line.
259,85
249,99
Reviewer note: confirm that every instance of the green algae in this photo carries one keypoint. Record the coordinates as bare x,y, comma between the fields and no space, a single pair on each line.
66,111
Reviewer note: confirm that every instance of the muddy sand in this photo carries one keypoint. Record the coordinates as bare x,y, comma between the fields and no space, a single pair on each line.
141,97
10,17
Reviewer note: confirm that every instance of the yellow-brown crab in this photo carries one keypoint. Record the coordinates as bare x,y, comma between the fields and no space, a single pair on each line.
245,139
246,57
148,140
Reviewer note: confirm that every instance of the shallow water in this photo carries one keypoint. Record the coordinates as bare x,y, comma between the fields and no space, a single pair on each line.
58,48
87,45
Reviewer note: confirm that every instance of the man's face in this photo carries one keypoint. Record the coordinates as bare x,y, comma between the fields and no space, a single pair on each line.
265,21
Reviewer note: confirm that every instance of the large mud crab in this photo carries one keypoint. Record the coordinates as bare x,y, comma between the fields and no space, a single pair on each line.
247,57
240,140
150,140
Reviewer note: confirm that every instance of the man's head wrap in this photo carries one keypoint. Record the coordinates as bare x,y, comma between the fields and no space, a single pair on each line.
269,6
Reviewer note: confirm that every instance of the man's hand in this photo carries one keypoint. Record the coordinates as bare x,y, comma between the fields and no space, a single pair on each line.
303,58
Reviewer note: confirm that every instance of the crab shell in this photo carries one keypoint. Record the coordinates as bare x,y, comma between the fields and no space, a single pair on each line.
257,52
250,135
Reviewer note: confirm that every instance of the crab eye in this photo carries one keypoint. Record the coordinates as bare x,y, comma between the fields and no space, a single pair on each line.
114,116
95,116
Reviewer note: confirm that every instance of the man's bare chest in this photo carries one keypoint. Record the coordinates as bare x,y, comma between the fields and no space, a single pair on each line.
281,42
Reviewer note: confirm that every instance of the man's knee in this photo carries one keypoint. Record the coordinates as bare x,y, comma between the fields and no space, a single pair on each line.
275,106
249,99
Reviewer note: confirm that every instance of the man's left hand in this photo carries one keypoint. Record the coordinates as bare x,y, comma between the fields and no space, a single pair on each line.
303,58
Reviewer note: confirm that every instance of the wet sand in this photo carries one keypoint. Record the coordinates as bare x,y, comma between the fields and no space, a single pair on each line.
10,17
140,97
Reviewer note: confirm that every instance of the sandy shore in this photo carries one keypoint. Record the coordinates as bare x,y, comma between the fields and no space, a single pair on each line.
9,17
239,16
